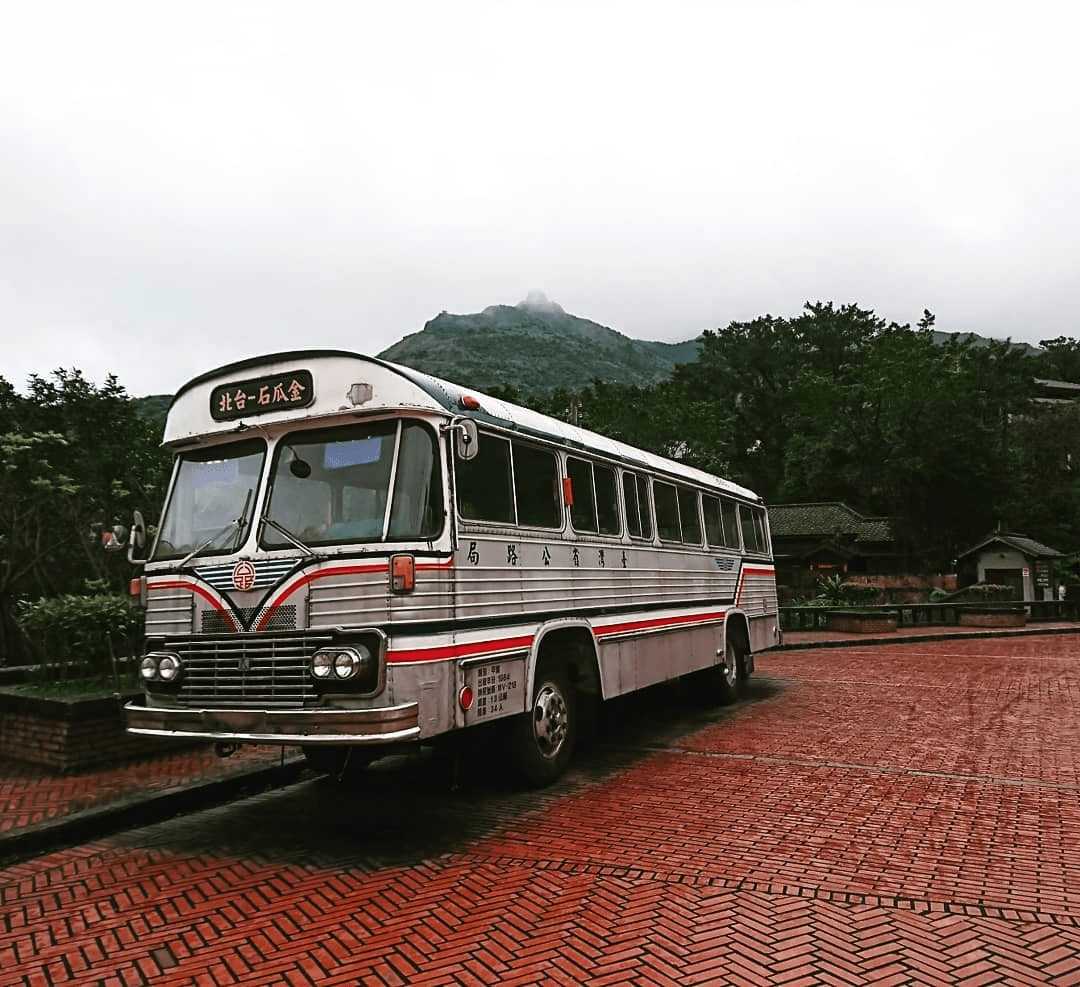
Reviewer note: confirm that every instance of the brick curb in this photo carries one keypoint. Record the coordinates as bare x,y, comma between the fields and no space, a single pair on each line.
141,810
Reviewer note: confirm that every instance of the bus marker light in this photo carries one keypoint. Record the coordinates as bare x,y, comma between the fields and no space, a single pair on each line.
465,697
402,574
469,403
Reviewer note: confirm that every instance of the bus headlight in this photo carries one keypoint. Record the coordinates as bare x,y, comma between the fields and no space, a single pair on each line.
353,666
346,664
161,669
169,667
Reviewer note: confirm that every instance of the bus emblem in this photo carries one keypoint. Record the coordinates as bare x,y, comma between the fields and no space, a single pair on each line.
243,576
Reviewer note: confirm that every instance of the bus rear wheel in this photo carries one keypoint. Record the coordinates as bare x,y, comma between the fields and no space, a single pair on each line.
542,739
721,684
730,675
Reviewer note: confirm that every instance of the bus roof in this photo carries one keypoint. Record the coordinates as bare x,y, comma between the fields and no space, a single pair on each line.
335,372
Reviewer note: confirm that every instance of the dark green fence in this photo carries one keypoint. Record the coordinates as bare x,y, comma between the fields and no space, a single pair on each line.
931,614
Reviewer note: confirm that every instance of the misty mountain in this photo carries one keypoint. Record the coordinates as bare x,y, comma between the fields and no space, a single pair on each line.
536,347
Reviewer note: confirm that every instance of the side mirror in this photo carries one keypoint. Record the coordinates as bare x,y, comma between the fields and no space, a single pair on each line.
466,439
115,538
137,541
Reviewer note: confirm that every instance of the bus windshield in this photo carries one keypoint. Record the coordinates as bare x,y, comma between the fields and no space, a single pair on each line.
212,501
364,482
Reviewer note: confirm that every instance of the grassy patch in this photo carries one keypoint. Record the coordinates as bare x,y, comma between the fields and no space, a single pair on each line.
96,687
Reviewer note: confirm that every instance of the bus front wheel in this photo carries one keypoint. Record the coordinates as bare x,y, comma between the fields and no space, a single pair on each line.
542,738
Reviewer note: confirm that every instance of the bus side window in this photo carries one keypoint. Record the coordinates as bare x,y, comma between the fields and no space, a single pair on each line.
633,507
714,525
731,526
753,528
583,510
691,518
607,501
644,507
721,529
667,511
483,483
536,487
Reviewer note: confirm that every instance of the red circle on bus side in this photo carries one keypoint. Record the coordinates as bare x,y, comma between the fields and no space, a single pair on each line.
243,576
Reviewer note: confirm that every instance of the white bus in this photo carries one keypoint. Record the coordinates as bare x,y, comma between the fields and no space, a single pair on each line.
355,556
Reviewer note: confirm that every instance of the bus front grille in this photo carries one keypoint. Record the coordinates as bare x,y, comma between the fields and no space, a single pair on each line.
257,671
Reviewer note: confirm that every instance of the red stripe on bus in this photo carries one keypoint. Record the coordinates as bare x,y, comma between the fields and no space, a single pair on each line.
660,622
195,588
758,570
344,570
453,651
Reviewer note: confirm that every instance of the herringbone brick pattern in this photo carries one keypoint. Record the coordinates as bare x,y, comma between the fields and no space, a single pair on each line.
32,795
894,815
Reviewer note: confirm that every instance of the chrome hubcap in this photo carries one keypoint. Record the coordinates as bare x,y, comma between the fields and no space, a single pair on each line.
550,721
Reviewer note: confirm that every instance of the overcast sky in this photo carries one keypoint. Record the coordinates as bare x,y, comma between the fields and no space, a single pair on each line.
186,184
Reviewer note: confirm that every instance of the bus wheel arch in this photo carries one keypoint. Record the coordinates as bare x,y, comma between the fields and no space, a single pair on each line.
565,672
731,672
574,649
737,640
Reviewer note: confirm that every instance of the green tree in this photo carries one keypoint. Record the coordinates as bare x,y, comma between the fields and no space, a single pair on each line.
73,457
1060,359
760,386
1046,500
837,404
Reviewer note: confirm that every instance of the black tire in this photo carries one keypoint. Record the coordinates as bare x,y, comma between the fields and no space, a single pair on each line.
730,676
542,739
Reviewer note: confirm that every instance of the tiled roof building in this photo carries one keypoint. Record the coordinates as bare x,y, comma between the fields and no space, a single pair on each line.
815,540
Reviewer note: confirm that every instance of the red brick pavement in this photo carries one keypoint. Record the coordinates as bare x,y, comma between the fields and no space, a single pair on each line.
32,795
897,814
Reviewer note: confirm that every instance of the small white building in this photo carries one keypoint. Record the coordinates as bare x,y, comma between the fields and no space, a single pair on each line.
1008,559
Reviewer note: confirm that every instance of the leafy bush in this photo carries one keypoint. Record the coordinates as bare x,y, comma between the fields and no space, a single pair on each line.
833,591
80,636
983,593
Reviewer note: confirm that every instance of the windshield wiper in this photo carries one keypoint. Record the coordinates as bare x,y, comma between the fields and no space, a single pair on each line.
284,532
238,524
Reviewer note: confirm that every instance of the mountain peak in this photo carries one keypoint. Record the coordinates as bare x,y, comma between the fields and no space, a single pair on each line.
537,301
535,346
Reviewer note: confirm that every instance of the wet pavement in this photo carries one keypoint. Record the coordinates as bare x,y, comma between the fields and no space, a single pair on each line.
43,809
904,810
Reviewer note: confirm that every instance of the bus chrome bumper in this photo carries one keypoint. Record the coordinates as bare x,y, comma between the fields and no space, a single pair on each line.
284,726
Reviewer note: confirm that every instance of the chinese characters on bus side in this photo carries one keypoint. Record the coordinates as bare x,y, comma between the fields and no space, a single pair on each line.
494,686
514,556
245,398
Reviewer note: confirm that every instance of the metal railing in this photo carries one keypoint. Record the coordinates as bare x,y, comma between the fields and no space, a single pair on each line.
930,614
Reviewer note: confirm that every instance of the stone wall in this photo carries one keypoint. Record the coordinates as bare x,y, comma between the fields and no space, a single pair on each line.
70,735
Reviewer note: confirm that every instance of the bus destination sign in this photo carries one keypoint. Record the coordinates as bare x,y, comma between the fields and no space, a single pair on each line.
260,395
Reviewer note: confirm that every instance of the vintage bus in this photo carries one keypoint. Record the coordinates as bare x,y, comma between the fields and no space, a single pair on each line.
354,556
